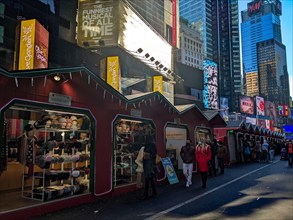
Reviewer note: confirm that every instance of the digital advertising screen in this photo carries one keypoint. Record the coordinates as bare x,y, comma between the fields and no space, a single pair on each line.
270,110
224,105
281,111
260,105
211,99
246,104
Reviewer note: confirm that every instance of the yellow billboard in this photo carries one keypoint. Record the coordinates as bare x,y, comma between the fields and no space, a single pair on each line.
158,84
33,45
113,72
26,46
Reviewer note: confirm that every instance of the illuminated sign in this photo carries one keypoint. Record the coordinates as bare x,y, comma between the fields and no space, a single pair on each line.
158,84
246,104
254,7
97,23
224,107
260,105
270,110
33,45
283,110
211,100
113,72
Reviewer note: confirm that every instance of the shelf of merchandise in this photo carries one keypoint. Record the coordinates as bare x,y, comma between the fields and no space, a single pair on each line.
30,193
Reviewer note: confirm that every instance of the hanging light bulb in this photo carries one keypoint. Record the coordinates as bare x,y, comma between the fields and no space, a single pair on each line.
57,77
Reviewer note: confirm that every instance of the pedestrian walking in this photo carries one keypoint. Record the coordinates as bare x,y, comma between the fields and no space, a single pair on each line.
272,151
214,152
265,150
257,150
149,167
187,155
290,153
203,155
222,150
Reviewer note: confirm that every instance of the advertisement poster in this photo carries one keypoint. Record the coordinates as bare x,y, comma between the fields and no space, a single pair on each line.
158,84
270,110
224,105
169,169
113,73
260,105
97,23
211,99
281,110
33,45
246,105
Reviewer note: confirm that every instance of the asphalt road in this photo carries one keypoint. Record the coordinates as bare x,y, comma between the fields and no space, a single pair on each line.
246,191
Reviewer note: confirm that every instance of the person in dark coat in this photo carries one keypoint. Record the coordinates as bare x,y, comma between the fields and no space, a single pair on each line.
187,155
149,167
214,151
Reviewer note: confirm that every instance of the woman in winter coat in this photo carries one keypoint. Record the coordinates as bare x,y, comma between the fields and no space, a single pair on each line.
203,155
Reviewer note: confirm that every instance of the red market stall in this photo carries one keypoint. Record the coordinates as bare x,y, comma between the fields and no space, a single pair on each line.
82,138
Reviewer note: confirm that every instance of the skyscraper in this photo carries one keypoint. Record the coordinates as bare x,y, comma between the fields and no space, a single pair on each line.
226,50
199,16
262,48
217,22
272,71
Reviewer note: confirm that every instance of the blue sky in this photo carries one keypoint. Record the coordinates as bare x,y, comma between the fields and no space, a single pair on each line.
287,32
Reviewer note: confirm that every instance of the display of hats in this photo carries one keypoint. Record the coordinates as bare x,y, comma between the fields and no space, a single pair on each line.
75,173
51,144
75,158
48,157
73,118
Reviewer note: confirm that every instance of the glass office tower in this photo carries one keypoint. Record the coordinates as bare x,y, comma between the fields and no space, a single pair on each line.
260,22
263,51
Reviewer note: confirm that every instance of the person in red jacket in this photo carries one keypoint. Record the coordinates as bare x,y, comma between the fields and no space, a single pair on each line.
203,155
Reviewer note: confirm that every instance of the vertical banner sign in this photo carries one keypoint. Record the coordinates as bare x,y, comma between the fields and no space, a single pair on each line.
174,23
158,84
169,169
260,105
113,72
33,46
26,45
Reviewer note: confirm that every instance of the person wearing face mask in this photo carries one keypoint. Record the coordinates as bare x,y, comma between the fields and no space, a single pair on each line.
203,155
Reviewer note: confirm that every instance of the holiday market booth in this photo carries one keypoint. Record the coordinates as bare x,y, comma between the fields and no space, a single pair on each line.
67,138
237,132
